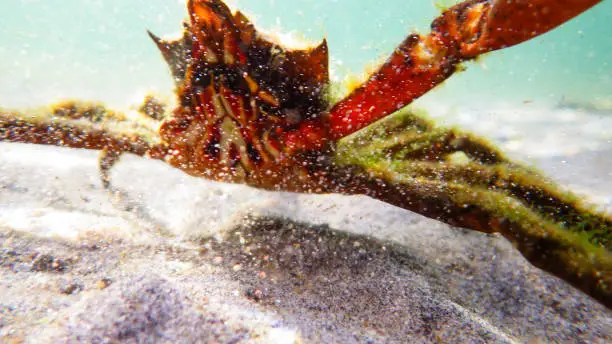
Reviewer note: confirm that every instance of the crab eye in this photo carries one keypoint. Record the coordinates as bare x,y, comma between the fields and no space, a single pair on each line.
202,78
235,81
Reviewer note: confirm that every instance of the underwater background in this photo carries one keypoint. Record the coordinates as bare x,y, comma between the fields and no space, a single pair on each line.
99,50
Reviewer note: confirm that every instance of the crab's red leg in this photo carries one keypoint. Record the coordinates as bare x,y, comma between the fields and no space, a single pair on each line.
461,33
64,133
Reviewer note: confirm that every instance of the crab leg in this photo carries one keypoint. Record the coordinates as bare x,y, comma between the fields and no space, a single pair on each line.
462,180
78,134
541,241
461,33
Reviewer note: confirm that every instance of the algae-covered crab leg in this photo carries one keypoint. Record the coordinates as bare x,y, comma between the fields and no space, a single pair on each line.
546,244
461,33
108,137
412,146
462,180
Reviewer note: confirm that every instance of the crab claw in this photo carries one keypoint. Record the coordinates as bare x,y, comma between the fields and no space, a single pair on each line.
506,23
461,33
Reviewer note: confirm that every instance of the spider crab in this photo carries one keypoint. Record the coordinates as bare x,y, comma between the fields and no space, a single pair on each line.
251,111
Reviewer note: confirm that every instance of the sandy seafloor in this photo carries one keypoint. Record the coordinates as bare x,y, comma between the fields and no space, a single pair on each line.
173,259
180,259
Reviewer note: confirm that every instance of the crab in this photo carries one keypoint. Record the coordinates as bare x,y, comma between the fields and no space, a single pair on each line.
253,112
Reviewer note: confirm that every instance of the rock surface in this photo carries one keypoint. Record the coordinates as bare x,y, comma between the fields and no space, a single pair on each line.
170,258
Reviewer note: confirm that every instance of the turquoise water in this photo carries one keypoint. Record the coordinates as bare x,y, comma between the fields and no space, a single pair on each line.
95,49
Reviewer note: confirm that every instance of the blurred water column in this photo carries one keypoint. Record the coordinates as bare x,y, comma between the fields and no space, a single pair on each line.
98,49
